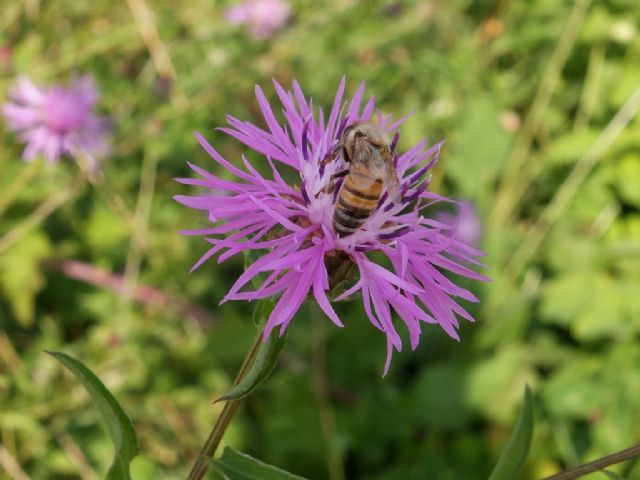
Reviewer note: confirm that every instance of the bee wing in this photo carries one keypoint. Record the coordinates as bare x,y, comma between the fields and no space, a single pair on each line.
390,177
361,178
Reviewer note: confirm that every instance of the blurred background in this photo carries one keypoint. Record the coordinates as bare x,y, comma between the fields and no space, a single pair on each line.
537,101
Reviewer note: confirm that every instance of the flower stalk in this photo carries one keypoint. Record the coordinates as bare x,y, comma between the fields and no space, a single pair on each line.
596,465
230,408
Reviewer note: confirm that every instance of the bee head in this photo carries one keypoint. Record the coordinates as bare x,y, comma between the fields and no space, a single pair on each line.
362,135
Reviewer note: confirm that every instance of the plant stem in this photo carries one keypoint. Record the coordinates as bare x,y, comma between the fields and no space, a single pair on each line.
140,227
11,465
25,176
39,215
230,408
104,189
596,465
517,176
562,198
145,20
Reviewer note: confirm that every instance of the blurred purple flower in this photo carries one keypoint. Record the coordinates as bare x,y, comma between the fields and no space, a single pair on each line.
292,225
57,120
265,17
466,225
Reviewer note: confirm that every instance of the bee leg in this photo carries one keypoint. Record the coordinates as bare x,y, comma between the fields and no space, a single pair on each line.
329,157
332,184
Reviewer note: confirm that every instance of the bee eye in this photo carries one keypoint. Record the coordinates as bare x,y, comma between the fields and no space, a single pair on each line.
345,155
347,130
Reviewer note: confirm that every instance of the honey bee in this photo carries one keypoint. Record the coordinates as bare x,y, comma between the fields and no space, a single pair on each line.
366,149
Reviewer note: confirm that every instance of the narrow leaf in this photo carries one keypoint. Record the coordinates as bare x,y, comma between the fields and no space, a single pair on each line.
514,454
118,423
240,466
265,361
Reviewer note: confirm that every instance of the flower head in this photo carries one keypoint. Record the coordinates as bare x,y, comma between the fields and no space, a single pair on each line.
466,224
57,120
303,256
265,17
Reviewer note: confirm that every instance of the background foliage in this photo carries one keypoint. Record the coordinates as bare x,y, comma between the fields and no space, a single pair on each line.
528,95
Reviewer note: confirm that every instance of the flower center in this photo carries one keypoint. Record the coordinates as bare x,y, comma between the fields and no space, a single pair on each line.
65,112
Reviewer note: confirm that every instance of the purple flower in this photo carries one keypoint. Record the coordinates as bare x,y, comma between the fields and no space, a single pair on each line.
466,224
57,120
292,225
265,17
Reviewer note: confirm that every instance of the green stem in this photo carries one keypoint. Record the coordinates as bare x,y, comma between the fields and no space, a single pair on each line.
517,176
596,465
96,178
39,215
27,174
561,200
209,448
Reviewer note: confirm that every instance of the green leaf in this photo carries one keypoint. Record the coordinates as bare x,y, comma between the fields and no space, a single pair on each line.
240,466
266,357
627,179
480,147
514,455
441,409
119,425
21,276
494,385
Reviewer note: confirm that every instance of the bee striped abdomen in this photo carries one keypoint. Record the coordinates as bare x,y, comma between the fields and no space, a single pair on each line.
356,203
